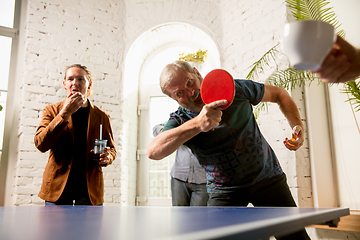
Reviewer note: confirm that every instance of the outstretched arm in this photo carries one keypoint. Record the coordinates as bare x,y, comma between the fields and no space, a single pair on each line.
168,141
341,65
289,109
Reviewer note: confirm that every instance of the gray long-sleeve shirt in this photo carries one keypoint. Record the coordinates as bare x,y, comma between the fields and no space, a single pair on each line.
186,166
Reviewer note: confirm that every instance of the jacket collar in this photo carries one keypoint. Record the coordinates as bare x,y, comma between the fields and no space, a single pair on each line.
91,119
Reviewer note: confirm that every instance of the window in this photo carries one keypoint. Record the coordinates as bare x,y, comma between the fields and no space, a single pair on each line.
7,13
6,33
346,141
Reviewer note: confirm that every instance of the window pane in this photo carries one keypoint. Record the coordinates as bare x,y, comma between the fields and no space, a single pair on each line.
160,109
159,184
5,49
347,142
159,171
158,165
3,97
7,13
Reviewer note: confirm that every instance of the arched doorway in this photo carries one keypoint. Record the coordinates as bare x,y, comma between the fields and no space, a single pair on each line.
146,58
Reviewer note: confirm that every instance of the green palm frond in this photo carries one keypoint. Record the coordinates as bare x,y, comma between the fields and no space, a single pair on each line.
265,60
291,78
314,10
353,89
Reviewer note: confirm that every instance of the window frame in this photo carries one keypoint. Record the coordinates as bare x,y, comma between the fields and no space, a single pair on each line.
7,167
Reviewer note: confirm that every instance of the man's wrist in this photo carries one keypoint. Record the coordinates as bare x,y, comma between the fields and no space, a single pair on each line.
64,115
193,126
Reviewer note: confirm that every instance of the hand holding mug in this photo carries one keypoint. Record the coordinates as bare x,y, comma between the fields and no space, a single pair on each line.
306,43
342,64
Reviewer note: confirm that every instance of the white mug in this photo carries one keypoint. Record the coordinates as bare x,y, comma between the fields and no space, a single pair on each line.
306,43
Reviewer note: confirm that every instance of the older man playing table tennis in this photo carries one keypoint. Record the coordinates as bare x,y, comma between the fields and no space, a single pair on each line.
241,166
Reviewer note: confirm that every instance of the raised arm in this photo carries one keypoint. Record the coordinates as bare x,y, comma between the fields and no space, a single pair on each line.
168,141
341,65
49,129
290,110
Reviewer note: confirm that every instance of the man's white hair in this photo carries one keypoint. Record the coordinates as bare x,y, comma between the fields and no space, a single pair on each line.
170,71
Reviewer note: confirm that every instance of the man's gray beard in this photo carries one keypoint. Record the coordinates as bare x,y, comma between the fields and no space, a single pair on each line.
191,109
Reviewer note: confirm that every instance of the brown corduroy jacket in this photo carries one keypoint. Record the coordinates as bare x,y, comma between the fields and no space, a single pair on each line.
57,135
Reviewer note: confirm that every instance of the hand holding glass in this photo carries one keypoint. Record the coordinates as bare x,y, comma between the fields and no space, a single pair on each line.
99,149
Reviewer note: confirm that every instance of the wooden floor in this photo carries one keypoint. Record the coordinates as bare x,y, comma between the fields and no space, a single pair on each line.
347,223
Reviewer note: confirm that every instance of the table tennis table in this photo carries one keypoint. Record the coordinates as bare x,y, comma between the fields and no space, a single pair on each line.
121,222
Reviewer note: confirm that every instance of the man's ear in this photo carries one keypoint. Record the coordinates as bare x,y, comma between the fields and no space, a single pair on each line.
197,72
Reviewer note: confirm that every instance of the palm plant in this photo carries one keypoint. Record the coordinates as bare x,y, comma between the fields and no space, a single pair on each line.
290,77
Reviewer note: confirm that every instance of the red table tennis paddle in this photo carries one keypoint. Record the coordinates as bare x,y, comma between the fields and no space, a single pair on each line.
218,84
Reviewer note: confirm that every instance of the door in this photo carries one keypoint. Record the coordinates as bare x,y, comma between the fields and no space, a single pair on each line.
153,177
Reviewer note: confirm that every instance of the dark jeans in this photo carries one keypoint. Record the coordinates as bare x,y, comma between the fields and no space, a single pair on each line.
188,194
272,192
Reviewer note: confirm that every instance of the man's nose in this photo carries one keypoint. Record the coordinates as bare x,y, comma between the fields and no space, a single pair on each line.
191,92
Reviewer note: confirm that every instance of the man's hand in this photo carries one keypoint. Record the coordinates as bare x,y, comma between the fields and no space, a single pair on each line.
168,141
297,139
341,65
72,103
104,157
210,115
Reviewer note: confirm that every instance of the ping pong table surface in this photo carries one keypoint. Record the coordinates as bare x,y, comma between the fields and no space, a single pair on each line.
121,222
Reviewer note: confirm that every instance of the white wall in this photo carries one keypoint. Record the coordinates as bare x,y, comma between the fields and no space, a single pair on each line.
346,135
346,132
99,34
348,15
57,33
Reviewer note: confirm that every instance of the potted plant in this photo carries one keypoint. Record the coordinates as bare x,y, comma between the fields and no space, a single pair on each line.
290,77
195,59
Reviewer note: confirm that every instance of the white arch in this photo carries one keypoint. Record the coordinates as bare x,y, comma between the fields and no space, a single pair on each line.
156,38
143,48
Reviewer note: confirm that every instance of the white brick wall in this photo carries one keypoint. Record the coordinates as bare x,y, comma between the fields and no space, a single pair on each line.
99,34
60,33
251,29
